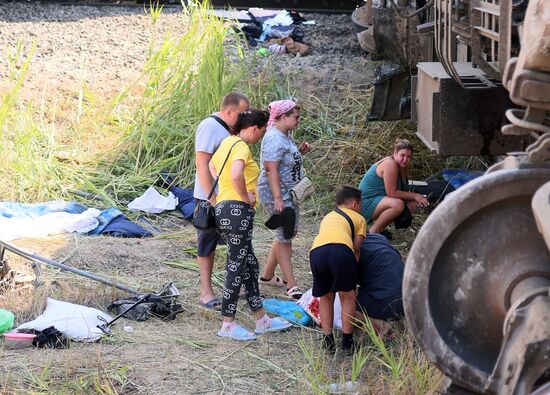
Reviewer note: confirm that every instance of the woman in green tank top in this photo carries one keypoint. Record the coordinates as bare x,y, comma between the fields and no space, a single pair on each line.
383,188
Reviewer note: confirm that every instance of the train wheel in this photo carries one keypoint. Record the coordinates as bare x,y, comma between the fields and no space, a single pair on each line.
473,250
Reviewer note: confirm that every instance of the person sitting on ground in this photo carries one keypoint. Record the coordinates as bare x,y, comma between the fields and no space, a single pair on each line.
333,259
235,220
384,195
281,169
208,137
380,279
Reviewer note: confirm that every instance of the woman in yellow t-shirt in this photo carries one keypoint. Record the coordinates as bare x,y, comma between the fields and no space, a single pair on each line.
236,199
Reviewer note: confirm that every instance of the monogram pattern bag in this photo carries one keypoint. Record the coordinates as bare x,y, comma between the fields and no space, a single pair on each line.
204,217
302,190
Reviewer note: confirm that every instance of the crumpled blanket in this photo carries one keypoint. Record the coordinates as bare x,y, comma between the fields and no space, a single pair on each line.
19,220
47,224
34,210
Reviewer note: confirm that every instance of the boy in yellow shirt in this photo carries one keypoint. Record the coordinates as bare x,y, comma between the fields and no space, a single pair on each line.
333,259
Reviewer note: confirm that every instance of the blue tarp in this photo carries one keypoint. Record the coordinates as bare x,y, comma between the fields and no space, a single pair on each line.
111,221
288,310
33,210
457,177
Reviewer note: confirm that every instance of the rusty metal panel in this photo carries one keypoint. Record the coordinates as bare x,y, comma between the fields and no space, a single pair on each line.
392,90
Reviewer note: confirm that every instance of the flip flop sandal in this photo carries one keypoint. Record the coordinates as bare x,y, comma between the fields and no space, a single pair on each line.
277,324
214,304
237,333
276,281
294,292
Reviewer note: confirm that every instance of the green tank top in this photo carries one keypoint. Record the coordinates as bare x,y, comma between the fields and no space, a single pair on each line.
373,190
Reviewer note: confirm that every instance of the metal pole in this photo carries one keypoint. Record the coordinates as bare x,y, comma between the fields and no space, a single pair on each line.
83,273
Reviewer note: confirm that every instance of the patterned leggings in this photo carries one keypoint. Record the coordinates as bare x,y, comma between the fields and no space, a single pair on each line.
234,222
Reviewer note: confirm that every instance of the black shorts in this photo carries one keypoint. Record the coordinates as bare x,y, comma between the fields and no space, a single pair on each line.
207,242
334,269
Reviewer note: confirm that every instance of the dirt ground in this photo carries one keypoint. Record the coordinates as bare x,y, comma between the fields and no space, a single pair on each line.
105,47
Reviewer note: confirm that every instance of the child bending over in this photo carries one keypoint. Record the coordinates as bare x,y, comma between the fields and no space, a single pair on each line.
333,259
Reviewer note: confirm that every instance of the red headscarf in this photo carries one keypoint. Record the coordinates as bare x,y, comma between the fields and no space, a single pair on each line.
278,108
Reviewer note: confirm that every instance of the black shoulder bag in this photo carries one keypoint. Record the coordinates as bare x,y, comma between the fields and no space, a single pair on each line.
404,219
204,217
350,222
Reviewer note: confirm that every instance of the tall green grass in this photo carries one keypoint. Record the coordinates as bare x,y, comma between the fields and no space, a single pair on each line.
186,78
117,148
30,167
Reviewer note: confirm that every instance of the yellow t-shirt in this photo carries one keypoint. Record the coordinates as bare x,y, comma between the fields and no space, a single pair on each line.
335,229
226,189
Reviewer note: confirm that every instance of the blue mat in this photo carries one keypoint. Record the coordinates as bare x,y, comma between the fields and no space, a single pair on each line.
457,177
288,310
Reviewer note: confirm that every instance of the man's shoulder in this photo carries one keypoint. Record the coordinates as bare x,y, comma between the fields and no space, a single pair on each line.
211,129
375,242
210,123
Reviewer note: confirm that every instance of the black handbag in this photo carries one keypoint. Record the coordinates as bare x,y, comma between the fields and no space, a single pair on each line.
204,217
404,219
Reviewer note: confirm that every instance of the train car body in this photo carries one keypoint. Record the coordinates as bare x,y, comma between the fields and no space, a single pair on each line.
443,67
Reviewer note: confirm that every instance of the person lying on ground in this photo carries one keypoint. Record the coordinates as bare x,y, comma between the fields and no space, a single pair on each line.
380,279
333,259
384,190
208,137
235,221
281,169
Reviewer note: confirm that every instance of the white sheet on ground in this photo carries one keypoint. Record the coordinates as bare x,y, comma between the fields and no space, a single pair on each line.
74,321
310,304
153,202
47,224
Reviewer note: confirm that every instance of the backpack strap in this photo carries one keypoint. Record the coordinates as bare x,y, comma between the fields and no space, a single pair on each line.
350,222
221,122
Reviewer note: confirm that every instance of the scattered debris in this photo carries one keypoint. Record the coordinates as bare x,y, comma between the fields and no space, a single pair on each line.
141,307
273,26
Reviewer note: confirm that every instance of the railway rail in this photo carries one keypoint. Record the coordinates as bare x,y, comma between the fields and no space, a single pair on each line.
340,6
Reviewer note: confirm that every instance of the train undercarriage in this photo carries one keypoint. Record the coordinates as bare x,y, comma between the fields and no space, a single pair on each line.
475,76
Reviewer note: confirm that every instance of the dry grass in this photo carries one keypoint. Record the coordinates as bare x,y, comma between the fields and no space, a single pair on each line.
185,356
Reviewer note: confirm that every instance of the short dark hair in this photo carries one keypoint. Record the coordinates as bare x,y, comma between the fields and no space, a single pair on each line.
402,144
233,99
250,117
346,194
